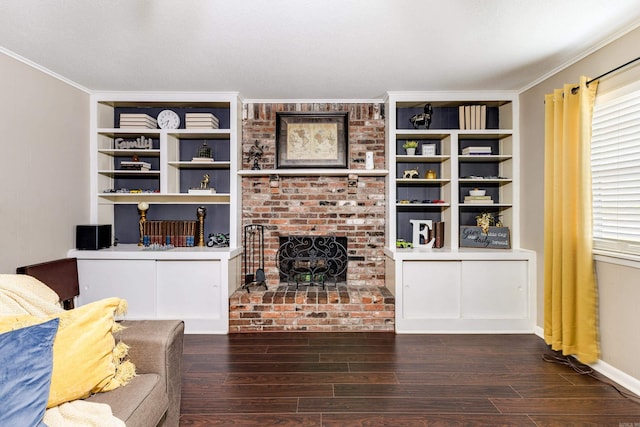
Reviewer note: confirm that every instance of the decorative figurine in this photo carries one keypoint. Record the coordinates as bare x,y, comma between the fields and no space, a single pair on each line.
401,243
201,212
204,184
204,187
422,119
218,239
143,207
204,153
410,173
255,153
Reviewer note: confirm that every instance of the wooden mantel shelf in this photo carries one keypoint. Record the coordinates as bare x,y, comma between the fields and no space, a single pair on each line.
314,172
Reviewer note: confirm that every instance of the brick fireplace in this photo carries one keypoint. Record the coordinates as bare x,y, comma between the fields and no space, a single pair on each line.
349,205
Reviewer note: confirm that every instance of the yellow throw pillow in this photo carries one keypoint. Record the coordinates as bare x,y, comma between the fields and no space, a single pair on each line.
86,359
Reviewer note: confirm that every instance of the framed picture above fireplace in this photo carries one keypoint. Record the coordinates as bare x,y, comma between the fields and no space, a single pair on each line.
312,140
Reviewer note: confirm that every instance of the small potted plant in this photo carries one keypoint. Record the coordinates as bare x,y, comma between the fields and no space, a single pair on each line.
410,147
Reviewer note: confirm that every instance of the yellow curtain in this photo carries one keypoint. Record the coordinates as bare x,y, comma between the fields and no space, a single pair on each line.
570,294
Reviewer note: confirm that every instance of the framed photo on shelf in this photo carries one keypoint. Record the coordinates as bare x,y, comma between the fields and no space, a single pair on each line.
428,149
312,140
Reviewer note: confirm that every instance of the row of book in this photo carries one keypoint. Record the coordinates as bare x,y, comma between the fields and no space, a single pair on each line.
201,121
472,117
172,232
137,120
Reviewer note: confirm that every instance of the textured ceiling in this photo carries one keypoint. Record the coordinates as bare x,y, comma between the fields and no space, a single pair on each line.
304,49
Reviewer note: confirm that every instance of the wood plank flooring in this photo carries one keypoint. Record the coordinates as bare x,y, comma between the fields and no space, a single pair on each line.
382,379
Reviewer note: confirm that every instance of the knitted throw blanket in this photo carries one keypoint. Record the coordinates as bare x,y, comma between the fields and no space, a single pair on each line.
22,294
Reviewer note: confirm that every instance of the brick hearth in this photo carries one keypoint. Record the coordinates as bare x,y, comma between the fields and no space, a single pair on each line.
337,308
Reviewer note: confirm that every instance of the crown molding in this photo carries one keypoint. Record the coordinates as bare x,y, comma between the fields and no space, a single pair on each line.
44,70
580,57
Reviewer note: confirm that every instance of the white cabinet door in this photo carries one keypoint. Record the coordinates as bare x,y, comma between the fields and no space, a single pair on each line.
494,289
189,289
132,280
431,289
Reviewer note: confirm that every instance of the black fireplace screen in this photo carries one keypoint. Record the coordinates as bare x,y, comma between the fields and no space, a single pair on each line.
312,259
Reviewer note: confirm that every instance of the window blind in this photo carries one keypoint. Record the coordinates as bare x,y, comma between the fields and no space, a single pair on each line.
615,166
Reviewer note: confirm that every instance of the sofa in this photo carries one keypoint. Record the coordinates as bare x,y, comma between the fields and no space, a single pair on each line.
152,397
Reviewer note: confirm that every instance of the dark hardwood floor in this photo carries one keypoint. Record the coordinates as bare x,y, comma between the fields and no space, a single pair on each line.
383,379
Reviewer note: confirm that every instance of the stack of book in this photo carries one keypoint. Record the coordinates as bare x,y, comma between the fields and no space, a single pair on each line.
478,200
201,121
472,117
135,120
476,151
137,166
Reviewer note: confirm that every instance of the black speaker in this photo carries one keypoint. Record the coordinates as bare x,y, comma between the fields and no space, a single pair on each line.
93,237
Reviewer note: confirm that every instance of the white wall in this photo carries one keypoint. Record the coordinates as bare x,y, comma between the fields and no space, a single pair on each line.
44,165
619,286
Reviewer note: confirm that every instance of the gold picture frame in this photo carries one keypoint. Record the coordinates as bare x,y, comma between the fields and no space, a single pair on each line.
312,140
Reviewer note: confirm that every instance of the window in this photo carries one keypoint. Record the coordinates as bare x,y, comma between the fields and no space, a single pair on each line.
615,166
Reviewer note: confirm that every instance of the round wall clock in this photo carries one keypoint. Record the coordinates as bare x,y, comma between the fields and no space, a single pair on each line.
168,119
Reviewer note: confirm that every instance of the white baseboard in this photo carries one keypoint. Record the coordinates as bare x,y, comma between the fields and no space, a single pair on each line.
539,331
625,380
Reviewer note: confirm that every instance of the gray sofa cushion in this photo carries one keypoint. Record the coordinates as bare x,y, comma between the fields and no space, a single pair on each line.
143,402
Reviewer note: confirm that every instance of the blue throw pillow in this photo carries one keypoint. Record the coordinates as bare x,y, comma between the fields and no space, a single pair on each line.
26,362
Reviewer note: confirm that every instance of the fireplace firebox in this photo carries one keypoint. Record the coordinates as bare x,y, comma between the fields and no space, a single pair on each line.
312,260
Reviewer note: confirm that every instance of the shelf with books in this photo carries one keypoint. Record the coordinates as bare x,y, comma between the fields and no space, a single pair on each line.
485,166
405,214
422,185
137,157
464,156
451,114
477,174
158,198
128,159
